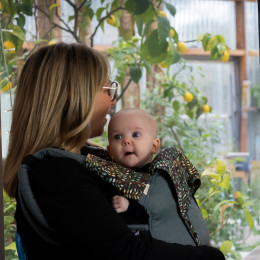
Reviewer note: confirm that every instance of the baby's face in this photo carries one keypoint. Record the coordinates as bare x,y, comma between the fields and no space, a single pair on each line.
132,140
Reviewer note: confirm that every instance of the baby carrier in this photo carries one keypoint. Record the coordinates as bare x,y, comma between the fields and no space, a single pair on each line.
174,221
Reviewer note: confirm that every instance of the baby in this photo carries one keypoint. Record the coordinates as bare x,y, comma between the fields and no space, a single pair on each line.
168,199
132,136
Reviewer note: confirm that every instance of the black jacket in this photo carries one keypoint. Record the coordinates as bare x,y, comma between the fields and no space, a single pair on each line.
78,205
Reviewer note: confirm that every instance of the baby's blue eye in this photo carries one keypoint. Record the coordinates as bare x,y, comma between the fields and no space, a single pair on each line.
136,134
118,137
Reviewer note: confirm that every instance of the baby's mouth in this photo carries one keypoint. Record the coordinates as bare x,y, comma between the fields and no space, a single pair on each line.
128,153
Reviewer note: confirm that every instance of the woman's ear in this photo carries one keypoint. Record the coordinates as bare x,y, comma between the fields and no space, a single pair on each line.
109,151
156,145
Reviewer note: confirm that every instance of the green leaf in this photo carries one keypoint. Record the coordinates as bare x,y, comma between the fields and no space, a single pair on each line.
214,193
155,46
8,220
200,37
147,27
147,66
135,73
170,8
210,174
71,17
26,7
157,59
176,36
18,32
102,26
249,219
99,12
211,43
175,56
163,28
148,15
204,213
11,247
236,255
205,40
199,112
220,39
130,6
225,182
139,23
54,6
190,114
137,6
3,83
20,20
221,48
176,105
220,166
193,103
226,247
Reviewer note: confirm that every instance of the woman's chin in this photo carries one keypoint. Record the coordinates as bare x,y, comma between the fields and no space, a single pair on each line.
98,130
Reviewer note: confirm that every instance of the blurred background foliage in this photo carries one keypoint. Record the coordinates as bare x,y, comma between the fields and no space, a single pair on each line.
149,46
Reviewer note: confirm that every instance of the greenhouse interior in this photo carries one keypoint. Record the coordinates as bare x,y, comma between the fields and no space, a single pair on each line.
193,65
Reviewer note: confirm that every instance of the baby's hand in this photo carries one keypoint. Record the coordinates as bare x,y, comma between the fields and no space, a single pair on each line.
120,204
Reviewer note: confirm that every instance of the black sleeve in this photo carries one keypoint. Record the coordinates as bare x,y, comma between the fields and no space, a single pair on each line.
135,214
78,205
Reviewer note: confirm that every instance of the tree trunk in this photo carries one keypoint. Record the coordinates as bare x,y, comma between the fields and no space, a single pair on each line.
44,19
131,97
84,23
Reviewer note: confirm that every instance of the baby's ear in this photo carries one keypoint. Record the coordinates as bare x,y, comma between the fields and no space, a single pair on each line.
156,145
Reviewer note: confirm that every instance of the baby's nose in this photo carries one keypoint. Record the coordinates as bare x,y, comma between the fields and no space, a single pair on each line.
126,141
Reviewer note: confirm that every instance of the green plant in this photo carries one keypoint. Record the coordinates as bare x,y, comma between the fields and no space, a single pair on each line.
225,210
256,93
180,123
9,227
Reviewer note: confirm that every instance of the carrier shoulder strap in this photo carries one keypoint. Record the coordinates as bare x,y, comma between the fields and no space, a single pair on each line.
26,197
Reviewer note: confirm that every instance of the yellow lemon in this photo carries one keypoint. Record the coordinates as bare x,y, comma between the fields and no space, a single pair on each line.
237,194
172,32
225,56
6,87
206,108
52,42
188,97
163,65
111,20
181,47
162,13
9,45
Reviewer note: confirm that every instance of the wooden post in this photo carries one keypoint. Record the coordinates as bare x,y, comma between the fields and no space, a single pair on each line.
241,44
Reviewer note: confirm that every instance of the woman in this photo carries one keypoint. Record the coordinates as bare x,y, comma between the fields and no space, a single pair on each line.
62,99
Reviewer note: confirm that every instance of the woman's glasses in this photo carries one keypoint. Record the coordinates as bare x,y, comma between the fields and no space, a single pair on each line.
112,90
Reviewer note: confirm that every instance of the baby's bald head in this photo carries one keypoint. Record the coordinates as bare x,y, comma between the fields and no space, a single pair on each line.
134,113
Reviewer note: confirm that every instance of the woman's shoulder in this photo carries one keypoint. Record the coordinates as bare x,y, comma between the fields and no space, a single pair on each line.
61,172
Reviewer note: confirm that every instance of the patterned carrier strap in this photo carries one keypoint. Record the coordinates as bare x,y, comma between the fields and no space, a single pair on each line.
133,185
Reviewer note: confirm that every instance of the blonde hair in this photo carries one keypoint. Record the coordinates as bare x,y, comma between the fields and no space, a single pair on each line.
53,102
